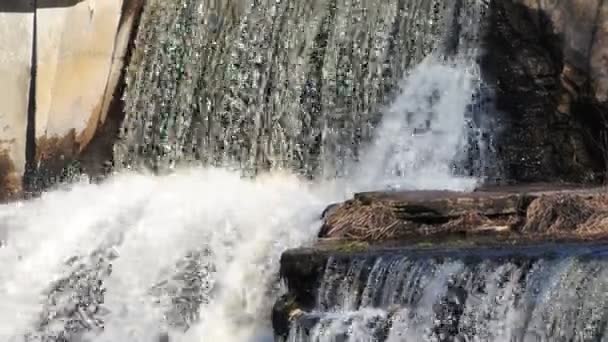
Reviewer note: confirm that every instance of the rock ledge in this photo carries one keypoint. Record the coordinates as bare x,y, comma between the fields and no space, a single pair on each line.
533,212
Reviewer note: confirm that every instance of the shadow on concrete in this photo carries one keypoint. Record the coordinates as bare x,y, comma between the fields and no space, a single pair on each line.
28,5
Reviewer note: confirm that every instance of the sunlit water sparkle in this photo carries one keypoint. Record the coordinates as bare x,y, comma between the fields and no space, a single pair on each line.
137,227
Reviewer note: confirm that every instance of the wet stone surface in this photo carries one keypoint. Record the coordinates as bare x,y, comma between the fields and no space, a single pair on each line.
547,292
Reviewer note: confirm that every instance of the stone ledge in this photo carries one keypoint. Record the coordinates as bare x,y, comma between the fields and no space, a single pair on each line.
534,212
303,268
516,224
441,205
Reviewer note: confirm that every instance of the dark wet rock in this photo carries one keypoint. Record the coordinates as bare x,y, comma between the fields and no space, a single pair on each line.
546,61
303,275
284,311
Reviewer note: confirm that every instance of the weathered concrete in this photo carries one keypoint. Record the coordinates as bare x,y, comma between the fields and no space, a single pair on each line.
79,58
73,70
97,158
16,35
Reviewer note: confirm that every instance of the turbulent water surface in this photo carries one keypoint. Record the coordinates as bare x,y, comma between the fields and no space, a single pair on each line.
252,85
192,254
159,245
397,298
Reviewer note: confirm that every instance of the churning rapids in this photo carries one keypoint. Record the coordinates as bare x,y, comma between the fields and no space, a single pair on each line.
138,256
526,294
193,255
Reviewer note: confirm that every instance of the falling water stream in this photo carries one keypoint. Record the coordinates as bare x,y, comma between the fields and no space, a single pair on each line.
316,98
518,298
297,85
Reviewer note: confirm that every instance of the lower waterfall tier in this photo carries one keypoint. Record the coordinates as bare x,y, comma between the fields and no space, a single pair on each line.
532,293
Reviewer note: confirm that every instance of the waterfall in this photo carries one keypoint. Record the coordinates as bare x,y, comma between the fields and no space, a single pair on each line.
421,133
400,298
296,87
258,84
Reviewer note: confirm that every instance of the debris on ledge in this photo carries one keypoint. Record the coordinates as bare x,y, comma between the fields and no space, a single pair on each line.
540,212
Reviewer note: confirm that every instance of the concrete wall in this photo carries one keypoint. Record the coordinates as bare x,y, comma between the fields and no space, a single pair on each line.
80,49
16,35
75,48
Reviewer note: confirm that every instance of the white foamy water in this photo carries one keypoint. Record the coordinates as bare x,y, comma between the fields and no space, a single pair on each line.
152,222
421,132
40,235
247,224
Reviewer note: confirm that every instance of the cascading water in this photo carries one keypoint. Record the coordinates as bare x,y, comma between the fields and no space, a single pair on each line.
421,133
143,226
399,298
299,85
277,84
